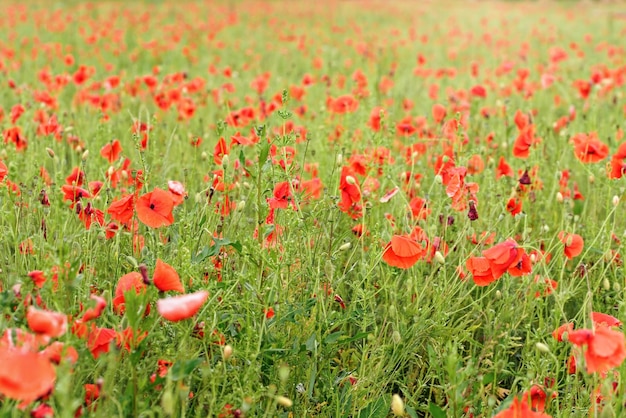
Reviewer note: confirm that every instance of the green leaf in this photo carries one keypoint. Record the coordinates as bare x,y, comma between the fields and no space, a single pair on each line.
436,411
311,343
333,338
377,409
183,369
263,153
410,411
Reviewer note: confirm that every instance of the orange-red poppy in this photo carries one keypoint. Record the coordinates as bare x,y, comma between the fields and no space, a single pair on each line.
131,281
520,409
503,256
177,308
574,244
3,171
480,269
402,252
588,148
602,319
51,324
111,151
24,375
606,348
122,209
154,209
166,278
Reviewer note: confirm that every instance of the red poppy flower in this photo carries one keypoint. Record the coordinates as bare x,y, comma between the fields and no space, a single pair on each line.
503,256
25,375
514,206
574,244
182,307
588,148
480,269
51,324
131,281
565,328
342,104
74,193
154,209
122,209
96,311
402,252
606,348
520,409
350,193
38,278
602,319
166,278
439,112
111,151
99,340
3,171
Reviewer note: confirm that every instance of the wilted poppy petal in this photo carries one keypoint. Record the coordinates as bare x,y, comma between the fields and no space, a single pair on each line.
182,307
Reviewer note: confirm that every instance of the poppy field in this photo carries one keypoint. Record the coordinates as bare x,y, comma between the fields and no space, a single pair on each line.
333,209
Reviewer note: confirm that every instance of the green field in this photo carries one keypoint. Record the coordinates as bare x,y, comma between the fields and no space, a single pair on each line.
312,209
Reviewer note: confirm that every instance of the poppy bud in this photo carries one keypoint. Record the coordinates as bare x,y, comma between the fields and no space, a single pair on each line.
439,257
85,155
445,159
498,294
50,152
339,159
592,178
559,197
283,373
396,337
284,401
616,287
329,269
241,205
438,179
167,403
606,284
345,246
225,161
204,156
397,405
350,180
615,200
542,348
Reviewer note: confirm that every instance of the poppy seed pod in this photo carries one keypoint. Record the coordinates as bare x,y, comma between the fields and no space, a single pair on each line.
397,405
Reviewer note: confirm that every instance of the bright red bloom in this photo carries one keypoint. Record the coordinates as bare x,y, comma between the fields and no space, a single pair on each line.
588,148
50,324
574,244
166,278
38,278
129,282
480,269
503,256
25,375
122,210
342,104
402,252
111,151
3,171
520,409
154,209
350,193
182,307
606,348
